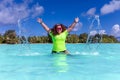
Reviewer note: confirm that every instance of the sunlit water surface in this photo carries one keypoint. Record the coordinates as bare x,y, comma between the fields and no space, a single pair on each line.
35,62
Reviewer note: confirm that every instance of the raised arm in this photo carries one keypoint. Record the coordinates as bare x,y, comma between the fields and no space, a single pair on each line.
76,20
39,20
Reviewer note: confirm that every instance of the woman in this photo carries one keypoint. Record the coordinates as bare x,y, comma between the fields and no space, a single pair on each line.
58,33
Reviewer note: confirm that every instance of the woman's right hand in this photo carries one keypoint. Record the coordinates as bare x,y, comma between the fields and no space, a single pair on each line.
39,20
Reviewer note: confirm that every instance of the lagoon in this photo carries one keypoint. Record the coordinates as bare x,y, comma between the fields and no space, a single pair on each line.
35,62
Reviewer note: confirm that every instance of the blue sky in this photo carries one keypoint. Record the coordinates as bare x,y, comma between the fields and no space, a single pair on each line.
25,12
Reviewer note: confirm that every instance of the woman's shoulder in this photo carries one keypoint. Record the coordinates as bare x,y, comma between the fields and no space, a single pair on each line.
65,30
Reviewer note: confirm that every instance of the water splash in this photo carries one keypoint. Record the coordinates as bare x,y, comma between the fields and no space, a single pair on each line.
87,53
23,39
22,32
95,33
94,38
30,54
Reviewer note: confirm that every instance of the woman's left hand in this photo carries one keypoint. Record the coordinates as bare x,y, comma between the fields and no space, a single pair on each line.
76,20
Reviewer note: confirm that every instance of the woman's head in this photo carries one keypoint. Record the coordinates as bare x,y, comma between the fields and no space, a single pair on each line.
58,28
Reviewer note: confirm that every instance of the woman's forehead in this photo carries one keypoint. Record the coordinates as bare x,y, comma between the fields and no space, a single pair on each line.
59,26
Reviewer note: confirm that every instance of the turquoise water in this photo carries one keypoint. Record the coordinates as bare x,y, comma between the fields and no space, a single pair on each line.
35,62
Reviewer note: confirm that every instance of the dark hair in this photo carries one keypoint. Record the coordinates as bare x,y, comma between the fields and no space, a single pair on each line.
55,26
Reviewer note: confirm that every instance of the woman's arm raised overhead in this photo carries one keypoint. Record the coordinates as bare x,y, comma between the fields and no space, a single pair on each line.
39,20
76,20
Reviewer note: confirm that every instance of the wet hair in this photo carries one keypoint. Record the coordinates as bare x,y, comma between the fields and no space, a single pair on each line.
55,26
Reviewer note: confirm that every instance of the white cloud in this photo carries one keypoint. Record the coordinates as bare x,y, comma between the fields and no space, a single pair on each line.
10,11
91,12
37,10
111,7
116,30
94,32
77,27
102,32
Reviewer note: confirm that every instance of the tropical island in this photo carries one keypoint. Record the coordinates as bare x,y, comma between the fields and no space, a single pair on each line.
10,37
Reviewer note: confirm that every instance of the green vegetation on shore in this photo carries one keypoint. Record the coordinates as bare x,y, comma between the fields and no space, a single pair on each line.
10,37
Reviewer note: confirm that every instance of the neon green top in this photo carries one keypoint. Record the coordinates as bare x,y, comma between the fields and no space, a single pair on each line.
59,41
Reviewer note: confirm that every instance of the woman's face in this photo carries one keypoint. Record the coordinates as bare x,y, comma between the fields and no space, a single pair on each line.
59,29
